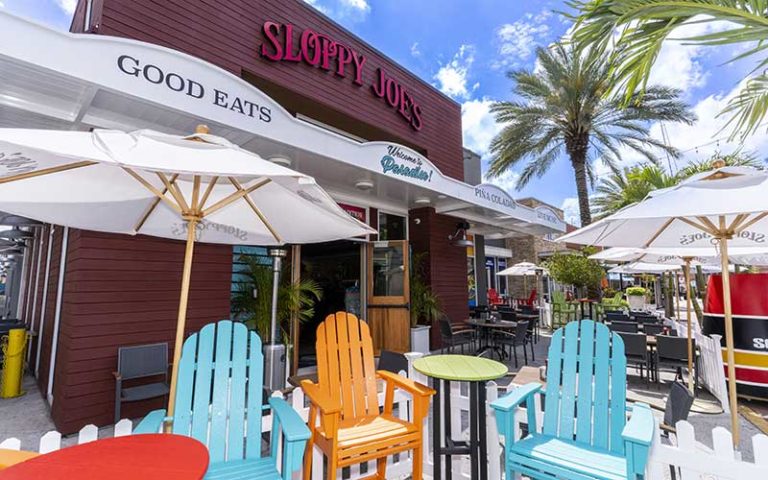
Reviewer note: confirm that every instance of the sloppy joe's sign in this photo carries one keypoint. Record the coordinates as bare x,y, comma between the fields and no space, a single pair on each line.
318,50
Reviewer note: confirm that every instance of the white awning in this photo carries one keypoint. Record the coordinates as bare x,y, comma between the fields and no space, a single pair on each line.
58,80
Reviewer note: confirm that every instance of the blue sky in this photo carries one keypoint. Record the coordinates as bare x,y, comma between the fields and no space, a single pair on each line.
464,48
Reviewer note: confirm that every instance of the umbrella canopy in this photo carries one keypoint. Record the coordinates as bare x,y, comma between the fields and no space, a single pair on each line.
709,256
727,206
642,267
143,182
198,188
522,269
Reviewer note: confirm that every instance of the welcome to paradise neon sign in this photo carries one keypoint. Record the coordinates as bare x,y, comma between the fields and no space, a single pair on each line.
320,51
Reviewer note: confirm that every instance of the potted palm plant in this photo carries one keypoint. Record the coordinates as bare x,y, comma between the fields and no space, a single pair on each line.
252,302
636,297
425,306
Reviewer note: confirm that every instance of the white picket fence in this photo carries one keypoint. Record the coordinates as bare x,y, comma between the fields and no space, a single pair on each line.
687,458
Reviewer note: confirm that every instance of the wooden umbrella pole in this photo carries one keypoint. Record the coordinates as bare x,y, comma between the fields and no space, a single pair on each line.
688,317
192,222
729,334
677,294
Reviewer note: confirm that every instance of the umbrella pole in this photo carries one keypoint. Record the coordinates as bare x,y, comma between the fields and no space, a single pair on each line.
688,317
182,319
729,335
677,295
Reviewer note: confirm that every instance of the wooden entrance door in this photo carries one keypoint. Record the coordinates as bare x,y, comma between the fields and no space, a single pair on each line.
389,295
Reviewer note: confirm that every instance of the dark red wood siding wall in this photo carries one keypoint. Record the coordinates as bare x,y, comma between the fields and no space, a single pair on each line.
121,291
228,34
446,264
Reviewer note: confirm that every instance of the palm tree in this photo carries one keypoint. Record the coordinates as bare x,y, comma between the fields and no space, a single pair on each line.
632,185
734,159
565,107
620,189
636,29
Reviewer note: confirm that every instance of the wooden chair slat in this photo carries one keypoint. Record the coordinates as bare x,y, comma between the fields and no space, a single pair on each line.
585,377
369,369
203,374
358,375
235,435
554,365
345,369
568,385
618,393
602,359
255,384
182,421
221,375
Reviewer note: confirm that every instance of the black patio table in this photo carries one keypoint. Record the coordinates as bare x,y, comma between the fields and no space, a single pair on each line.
444,369
486,328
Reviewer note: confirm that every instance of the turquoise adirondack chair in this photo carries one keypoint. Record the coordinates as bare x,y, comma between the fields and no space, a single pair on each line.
585,432
219,402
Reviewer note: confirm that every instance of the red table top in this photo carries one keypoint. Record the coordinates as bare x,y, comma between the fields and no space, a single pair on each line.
142,457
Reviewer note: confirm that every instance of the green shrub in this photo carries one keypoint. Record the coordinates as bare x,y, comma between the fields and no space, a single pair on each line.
635,291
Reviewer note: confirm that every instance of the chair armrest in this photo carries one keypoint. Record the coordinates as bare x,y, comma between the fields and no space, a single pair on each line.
152,423
293,427
320,399
638,435
517,396
406,384
639,428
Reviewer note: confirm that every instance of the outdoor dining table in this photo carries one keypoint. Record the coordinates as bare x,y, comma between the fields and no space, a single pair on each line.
486,328
443,369
144,457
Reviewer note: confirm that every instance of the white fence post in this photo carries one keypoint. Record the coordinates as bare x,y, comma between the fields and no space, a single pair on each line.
50,442
123,427
88,433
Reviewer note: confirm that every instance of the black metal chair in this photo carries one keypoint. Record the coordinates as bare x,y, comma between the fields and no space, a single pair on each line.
628,327
673,352
478,310
137,362
453,338
678,406
508,315
645,318
617,317
393,362
653,328
636,350
519,338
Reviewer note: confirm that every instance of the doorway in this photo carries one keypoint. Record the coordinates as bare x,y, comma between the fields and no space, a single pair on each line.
336,267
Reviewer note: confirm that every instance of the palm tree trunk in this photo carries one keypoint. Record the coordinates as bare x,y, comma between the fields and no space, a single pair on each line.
582,192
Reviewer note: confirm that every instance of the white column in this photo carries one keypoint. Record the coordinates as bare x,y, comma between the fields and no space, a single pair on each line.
45,299
57,312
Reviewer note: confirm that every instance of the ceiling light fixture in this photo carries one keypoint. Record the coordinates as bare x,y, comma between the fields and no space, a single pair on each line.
459,238
364,185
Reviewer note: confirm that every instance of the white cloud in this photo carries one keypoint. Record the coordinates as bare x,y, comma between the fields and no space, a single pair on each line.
415,52
452,77
507,181
479,125
571,213
518,40
67,5
355,10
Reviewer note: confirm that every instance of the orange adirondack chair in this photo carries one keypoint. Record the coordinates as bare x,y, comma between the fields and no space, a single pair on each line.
351,429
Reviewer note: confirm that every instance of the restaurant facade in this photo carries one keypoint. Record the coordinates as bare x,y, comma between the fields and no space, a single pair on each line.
279,79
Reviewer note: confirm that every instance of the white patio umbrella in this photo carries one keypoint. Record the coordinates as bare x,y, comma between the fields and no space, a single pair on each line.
195,188
523,269
726,206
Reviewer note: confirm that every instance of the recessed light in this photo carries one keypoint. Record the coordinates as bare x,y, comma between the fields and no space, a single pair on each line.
422,201
285,162
442,197
364,185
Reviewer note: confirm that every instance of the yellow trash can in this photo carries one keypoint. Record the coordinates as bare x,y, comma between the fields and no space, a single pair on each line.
13,345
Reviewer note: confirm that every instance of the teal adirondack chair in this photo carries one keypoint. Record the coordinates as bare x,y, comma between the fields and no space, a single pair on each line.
586,382
219,402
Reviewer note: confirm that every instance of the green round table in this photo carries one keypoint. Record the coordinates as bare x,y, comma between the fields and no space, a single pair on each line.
443,369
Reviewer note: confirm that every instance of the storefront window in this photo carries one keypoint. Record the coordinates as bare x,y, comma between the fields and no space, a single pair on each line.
471,281
391,227
388,270
502,265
